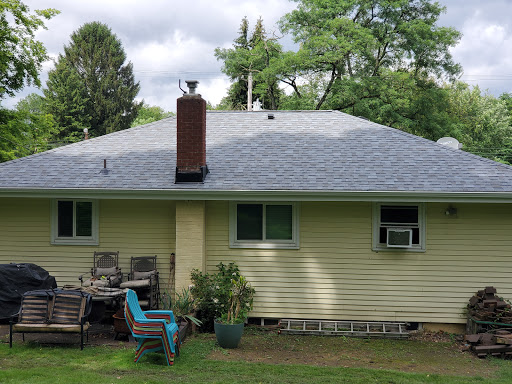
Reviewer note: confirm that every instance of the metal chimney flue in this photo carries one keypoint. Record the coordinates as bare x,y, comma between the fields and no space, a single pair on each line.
192,85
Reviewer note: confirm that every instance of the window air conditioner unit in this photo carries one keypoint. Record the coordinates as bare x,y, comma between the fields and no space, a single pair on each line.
399,237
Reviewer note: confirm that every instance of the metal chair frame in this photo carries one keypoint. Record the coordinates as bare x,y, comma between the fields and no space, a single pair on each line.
105,259
147,264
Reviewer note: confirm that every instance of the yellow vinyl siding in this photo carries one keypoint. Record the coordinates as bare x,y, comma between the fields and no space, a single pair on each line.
336,275
133,227
333,275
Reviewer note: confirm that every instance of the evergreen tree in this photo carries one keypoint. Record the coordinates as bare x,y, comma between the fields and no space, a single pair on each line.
252,54
91,86
67,99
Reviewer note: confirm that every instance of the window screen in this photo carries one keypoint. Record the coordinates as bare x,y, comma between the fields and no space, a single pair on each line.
83,218
279,222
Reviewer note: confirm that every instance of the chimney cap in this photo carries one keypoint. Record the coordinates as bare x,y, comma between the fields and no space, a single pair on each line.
192,85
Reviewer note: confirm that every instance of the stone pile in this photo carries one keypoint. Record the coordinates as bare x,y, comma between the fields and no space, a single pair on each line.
489,330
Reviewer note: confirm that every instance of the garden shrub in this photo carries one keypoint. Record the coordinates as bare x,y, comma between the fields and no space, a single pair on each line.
211,293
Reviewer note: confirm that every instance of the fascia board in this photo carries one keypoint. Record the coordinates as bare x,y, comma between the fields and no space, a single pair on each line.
274,195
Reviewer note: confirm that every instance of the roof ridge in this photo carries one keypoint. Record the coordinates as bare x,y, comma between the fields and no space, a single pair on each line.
274,111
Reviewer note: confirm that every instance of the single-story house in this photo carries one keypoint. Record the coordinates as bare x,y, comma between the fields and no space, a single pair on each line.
329,216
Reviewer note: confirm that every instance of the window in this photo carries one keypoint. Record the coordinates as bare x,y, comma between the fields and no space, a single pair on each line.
398,226
74,222
264,225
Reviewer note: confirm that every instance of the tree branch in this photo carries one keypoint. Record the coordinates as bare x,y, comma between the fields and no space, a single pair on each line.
328,89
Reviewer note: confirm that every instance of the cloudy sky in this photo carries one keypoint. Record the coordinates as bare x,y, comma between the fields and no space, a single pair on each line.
167,41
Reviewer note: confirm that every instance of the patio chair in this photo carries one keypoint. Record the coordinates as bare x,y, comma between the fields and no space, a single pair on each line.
105,271
154,330
143,278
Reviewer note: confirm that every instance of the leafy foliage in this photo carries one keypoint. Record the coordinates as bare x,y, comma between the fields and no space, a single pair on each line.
91,86
23,133
148,114
481,122
240,301
251,54
21,55
385,60
356,45
213,294
182,306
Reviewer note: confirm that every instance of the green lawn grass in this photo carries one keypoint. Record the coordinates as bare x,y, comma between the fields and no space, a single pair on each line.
33,363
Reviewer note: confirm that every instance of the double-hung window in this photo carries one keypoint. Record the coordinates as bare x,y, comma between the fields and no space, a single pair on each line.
398,226
74,222
264,225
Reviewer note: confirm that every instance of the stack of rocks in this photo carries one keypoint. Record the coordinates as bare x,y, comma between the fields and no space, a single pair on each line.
489,330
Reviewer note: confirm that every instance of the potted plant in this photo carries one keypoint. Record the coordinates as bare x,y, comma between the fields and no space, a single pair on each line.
211,292
230,326
183,309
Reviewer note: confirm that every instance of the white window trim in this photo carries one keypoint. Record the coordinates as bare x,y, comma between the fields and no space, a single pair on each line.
263,244
75,240
378,247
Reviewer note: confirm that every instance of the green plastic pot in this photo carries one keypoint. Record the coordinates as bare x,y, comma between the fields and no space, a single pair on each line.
228,335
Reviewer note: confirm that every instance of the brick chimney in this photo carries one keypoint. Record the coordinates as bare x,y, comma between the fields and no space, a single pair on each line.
191,137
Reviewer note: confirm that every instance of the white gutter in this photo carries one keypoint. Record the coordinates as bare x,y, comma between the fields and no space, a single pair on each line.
249,195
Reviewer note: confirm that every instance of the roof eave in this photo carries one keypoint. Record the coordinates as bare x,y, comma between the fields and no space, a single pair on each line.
268,195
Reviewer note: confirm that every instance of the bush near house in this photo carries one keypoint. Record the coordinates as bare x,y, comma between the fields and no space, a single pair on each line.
211,293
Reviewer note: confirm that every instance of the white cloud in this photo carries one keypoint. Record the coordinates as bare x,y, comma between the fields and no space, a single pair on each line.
167,41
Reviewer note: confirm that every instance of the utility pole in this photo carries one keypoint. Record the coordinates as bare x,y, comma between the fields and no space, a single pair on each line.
249,92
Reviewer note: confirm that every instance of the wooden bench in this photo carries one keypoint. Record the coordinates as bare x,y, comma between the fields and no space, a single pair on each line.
52,311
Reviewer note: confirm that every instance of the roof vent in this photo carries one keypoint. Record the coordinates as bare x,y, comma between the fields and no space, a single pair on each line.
270,116
104,170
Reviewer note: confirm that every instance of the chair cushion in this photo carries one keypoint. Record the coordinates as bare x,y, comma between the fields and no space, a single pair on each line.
71,328
136,284
95,283
102,282
143,275
105,271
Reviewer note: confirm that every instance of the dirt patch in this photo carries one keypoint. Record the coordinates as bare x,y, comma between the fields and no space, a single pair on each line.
432,353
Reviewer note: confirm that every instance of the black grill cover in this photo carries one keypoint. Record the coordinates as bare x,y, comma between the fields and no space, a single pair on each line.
15,280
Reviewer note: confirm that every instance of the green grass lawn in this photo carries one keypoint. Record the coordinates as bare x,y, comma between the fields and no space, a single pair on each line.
262,358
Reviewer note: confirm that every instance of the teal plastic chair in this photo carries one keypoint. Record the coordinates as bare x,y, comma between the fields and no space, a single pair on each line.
154,330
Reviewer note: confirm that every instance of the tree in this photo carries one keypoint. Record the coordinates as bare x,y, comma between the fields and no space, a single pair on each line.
21,55
251,54
24,131
91,86
33,103
148,114
357,46
67,99
481,122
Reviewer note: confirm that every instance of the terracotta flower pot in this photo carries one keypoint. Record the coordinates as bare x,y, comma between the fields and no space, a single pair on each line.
228,335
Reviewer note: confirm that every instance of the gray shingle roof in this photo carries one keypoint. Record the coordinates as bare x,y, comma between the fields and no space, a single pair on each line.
298,150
